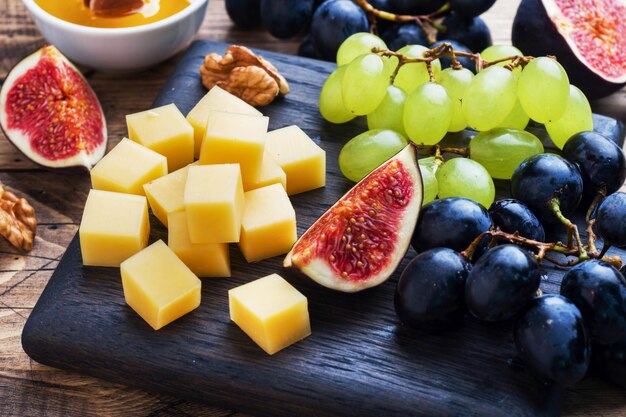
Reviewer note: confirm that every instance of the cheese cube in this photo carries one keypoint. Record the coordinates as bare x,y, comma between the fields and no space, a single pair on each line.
214,203
127,168
268,225
114,227
164,130
302,160
219,100
204,259
272,312
271,173
235,138
165,194
158,285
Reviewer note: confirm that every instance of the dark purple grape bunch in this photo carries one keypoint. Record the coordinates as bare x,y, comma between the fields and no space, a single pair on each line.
325,24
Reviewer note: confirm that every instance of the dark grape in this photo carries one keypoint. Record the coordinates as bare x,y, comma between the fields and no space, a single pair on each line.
333,22
543,177
446,61
417,7
599,292
471,8
429,293
404,34
512,216
286,18
601,161
244,13
610,360
385,5
471,32
306,48
317,3
451,223
501,283
611,219
382,25
552,340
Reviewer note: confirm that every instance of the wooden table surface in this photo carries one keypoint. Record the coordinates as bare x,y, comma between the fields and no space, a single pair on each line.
30,389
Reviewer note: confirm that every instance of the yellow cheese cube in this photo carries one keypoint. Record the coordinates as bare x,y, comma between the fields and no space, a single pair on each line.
235,138
127,168
114,227
219,100
165,194
272,312
268,225
271,173
302,160
158,285
214,203
204,259
166,131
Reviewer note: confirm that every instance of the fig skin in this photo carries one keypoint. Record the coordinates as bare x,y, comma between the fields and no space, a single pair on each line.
535,34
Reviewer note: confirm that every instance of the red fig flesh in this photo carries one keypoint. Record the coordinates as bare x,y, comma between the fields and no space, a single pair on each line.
359,242
51,114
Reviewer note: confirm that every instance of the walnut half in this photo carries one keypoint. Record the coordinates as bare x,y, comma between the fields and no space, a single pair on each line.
17,220
244,74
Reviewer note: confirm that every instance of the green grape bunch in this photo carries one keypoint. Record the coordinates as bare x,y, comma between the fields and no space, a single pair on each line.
407,96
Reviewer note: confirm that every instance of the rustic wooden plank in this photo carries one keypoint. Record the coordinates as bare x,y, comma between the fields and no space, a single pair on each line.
54,392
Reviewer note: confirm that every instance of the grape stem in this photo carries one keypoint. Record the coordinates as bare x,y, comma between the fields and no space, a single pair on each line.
422,20
446,49
572,230
591,236
542,248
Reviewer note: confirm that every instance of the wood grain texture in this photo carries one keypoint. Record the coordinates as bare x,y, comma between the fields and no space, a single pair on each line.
30,389
359,359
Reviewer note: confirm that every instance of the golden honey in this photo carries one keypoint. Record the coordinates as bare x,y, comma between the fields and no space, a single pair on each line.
75,11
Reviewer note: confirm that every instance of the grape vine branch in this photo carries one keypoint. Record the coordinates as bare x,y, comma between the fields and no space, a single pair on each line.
446,49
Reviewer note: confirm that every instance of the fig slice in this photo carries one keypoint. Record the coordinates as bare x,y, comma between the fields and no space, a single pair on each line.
588,37
51,114
359,242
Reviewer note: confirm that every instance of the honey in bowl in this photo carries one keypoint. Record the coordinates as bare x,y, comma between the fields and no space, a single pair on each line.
75,11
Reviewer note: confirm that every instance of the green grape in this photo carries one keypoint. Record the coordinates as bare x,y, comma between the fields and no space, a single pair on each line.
429,182
501,150
495,52
388,114
364,84
365,152
330,101
356,45
489,98
516,119
462,177
455,82
427,114
543,89
429,161
414,74
577,118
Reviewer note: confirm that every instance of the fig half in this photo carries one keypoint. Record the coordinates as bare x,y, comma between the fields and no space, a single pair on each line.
587,36
50,113
359,242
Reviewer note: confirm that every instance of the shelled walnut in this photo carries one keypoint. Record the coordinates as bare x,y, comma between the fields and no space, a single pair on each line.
17,220
244,74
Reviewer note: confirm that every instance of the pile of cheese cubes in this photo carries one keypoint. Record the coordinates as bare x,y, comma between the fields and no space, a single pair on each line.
236,192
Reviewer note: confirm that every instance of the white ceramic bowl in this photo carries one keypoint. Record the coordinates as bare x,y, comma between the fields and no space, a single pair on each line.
121,49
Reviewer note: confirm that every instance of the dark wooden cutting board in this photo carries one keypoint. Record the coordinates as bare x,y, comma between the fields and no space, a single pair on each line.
359,360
